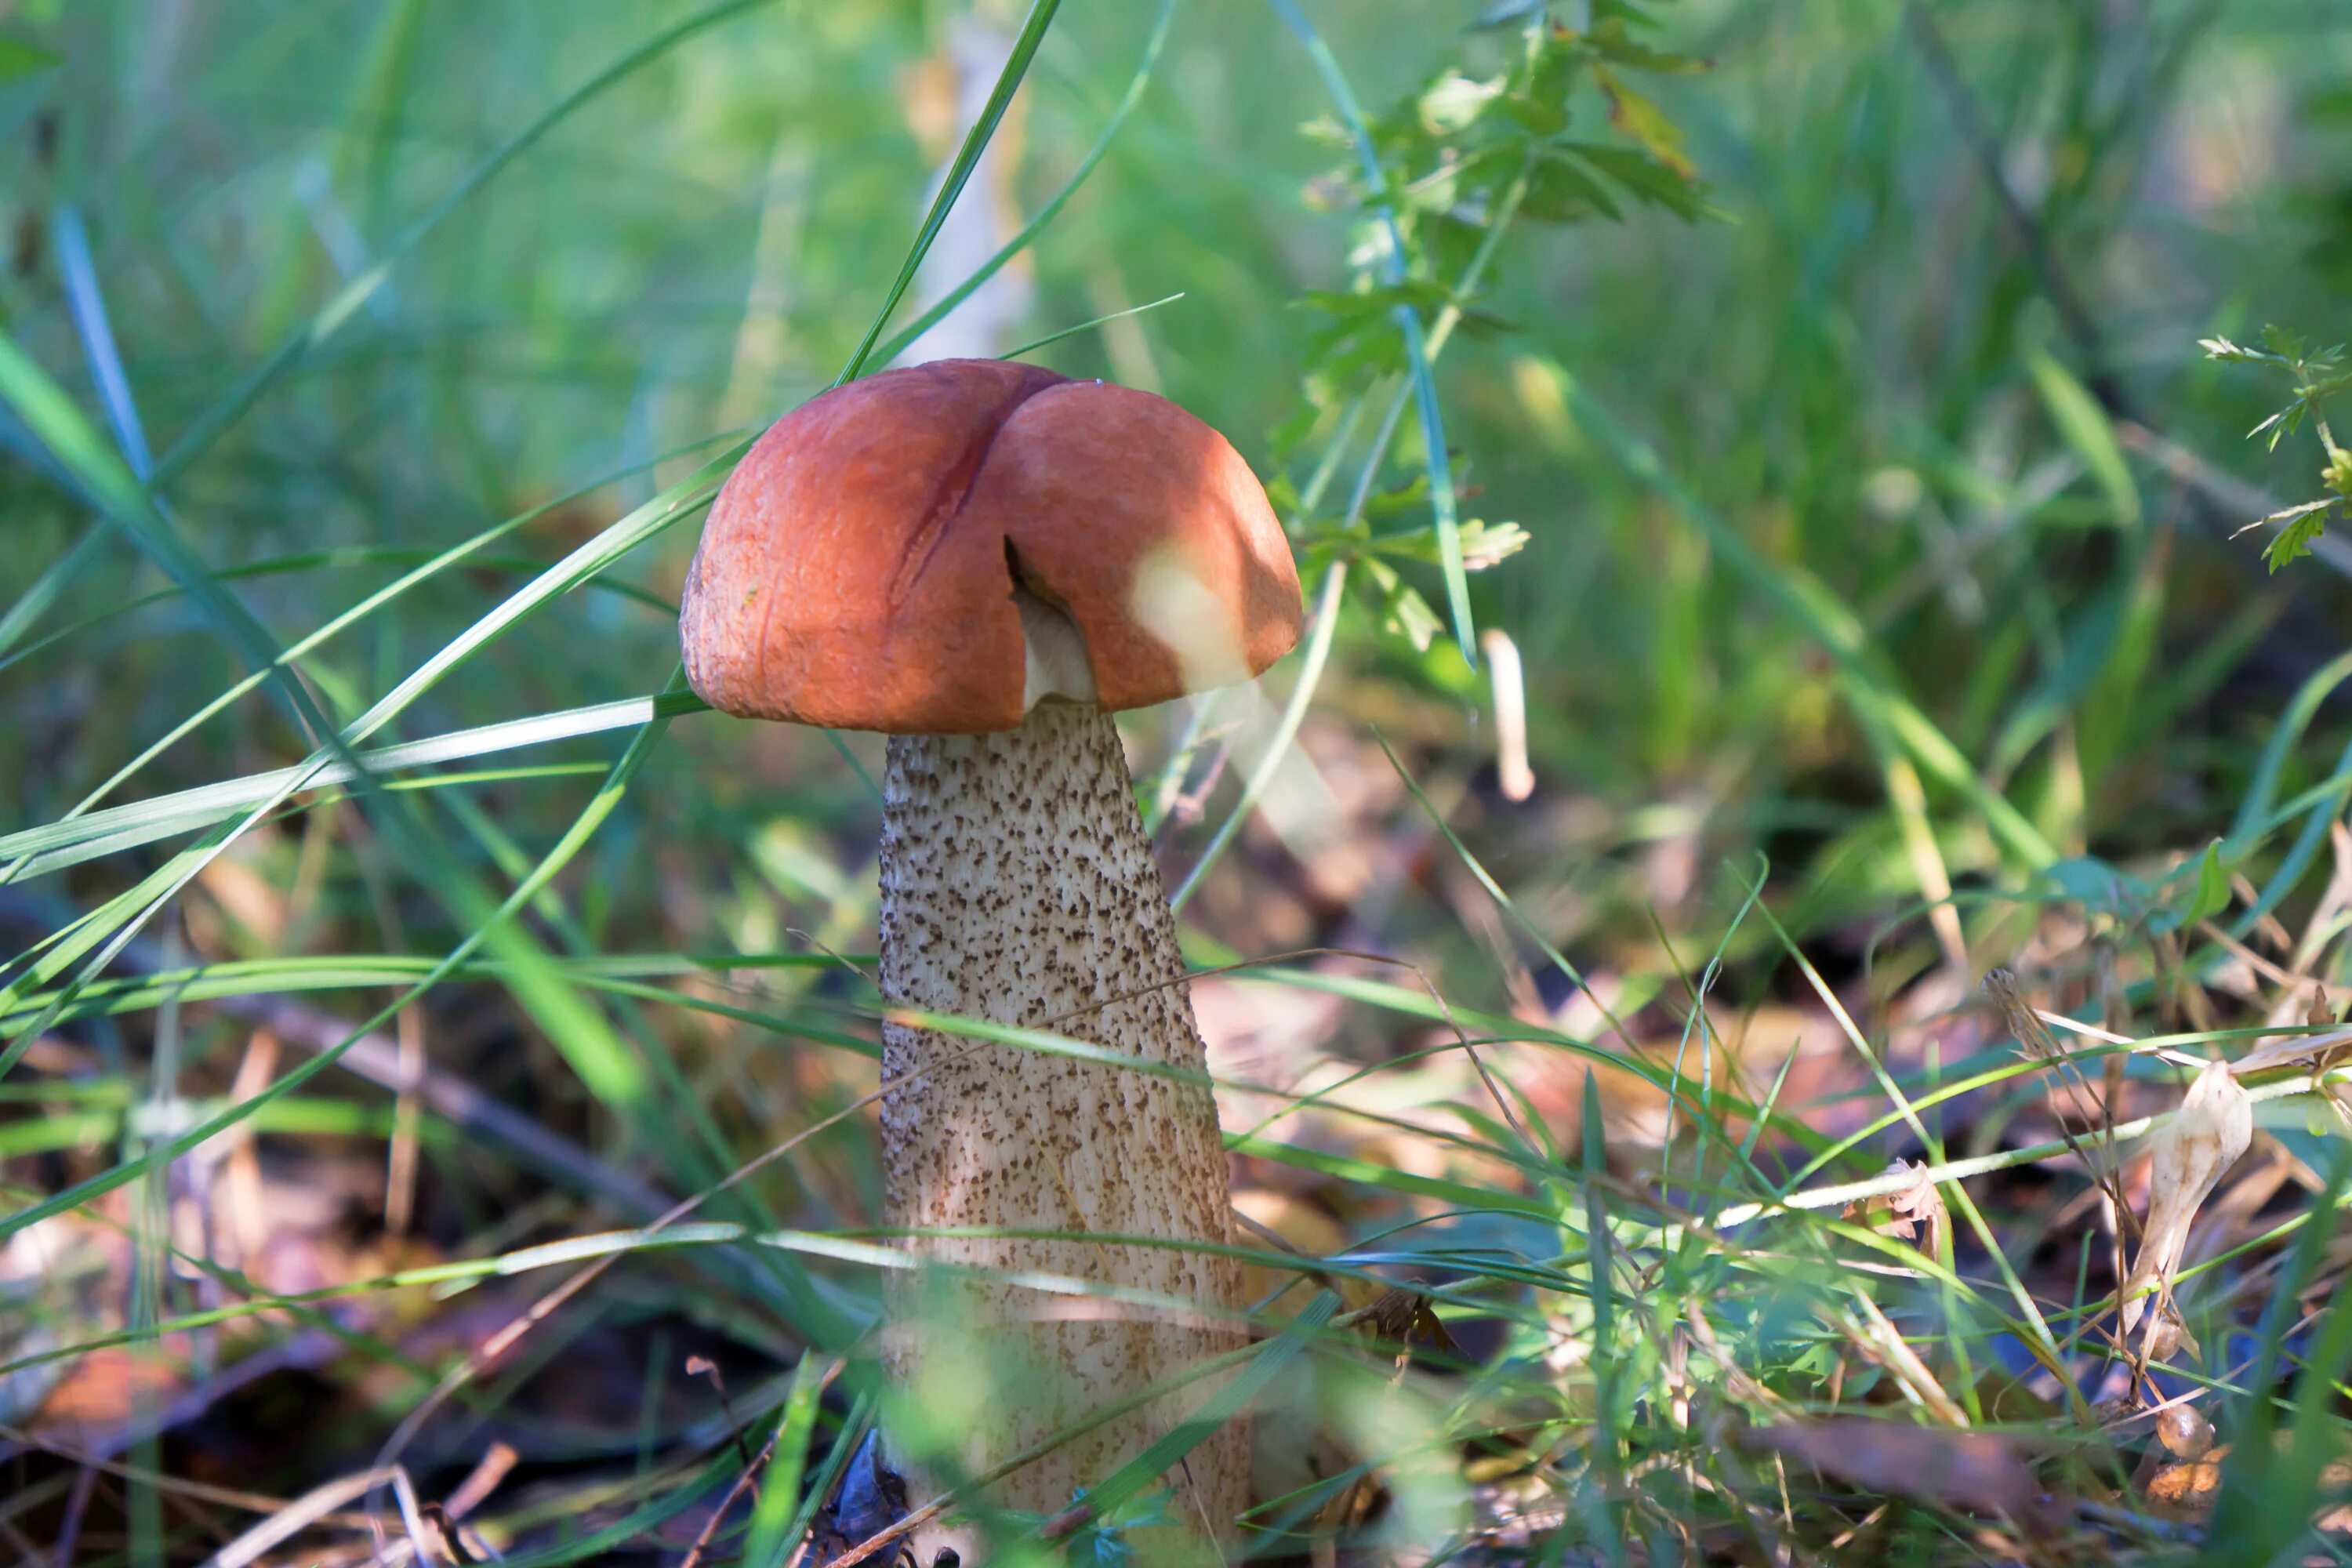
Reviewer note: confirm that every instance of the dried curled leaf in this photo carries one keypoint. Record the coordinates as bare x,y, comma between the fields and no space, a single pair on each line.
1405,1319
1916,1214
2215,1125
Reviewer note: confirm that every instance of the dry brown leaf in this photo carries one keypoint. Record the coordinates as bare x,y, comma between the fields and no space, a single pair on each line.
2186,1490
1975,1471
1405,1319
1916,1214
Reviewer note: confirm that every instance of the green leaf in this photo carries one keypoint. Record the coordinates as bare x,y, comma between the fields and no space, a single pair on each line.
2212,895
19,59
2304,524
2098,887
1643,176
1645,123
1454,103
2087,428
1402,611
1612,41
1561,192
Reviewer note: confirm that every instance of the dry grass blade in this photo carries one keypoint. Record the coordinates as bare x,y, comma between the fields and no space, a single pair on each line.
311,1509
2033,1037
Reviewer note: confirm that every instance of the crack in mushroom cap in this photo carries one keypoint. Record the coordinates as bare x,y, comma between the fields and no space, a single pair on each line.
934,550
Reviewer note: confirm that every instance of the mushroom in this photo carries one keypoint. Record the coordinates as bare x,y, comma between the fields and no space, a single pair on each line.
986,559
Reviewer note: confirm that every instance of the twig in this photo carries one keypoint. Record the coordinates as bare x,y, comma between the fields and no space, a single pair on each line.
752,1467
475,1488
311,1508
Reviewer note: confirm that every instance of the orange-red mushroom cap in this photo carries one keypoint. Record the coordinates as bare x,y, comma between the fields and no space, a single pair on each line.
859,569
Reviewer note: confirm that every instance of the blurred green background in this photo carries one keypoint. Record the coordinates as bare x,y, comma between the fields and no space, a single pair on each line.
1902,449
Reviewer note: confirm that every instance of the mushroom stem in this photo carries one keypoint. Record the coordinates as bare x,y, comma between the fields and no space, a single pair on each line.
1018,886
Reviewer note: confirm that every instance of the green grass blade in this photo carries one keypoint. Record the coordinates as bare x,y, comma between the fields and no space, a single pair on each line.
967,159
1029,231
1443,505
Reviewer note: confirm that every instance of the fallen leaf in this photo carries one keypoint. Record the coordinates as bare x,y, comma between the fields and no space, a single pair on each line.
2187,1489
1916,1214
2215,1124
1405,1317
1974,1471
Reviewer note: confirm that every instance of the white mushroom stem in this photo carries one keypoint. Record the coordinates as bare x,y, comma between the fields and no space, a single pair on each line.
1018,886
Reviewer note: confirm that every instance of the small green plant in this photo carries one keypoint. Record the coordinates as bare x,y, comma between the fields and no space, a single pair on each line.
1537,119
2318,375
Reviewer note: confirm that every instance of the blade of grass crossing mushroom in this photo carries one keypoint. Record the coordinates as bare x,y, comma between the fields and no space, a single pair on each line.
1107,1497
975,141
449,1278
1417,347
1045,215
